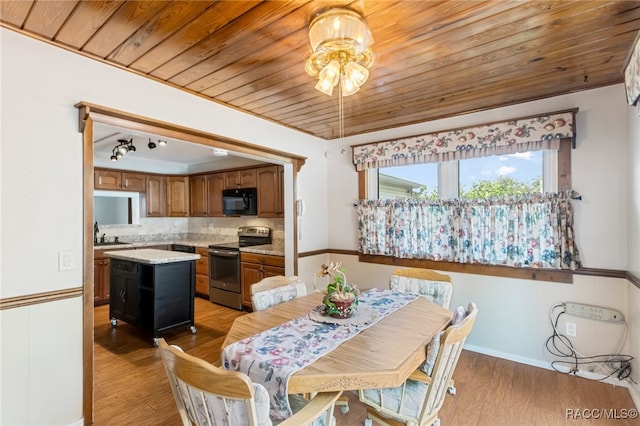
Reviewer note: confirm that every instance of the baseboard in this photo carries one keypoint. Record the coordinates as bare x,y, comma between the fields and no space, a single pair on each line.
635,394
78,423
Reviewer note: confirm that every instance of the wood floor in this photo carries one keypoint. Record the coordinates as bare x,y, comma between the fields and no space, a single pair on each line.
130,385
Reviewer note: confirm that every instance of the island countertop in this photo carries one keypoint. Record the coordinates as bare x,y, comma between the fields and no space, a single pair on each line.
152,256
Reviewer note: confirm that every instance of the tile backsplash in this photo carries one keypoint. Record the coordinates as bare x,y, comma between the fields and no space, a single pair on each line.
173,228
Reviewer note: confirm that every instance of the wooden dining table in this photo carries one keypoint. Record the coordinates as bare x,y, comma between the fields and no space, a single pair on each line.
383,355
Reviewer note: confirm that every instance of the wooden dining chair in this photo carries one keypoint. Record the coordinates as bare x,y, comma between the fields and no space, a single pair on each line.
433,285
272,291
207,395
418,400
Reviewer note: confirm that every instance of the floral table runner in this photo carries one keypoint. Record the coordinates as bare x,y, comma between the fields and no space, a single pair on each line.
270,357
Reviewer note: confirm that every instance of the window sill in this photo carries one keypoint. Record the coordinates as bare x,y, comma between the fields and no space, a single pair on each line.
551,275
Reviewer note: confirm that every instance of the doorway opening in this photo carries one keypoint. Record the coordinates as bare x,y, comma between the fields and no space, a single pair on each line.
91,114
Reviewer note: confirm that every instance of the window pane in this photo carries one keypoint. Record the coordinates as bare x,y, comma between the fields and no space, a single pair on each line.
412,181
501,175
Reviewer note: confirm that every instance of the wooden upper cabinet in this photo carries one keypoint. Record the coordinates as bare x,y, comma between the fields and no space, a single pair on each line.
134,182
198,199
206,194
119,181
240,179
215,185
107,179
156,196
178,196
270,191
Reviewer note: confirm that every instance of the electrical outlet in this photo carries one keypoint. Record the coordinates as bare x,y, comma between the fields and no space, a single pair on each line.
571,329
593,312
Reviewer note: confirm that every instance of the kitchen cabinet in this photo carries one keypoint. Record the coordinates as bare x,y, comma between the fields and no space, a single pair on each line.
253,268
202,273
119,181
100,278
153,296
205,195
240,179
177,196
156,196
270,191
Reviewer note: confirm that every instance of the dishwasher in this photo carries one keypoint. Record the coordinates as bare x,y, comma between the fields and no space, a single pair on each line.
183,248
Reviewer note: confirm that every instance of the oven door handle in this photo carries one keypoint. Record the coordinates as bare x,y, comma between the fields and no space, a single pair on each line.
224,253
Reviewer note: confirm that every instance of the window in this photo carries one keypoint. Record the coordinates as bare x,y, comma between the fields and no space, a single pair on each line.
484,177
466,228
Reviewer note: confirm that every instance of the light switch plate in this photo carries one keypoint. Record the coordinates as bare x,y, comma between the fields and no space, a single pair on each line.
65,261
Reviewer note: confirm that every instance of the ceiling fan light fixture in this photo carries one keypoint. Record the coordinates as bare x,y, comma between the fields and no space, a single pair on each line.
340,41
151,144
328,78
356,73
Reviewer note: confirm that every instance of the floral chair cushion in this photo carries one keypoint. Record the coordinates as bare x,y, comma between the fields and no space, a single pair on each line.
391,398
437,291
433,346
216,406
264,299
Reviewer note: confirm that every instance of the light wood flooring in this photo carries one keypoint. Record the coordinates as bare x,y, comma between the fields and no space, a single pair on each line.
131,388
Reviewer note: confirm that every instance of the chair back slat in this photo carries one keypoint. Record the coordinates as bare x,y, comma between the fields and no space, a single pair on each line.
433,285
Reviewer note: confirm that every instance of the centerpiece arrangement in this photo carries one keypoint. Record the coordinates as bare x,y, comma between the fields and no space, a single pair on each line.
341,300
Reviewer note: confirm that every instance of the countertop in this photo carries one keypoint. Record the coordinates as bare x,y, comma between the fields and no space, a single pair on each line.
271,249
152,256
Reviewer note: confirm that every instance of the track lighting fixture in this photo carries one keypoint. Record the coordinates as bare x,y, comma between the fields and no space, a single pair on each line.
153,144
122,148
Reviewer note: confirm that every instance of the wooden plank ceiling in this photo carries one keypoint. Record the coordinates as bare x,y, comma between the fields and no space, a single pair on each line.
435,59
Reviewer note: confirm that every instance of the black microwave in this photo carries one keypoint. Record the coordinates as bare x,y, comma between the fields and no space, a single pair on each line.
240,202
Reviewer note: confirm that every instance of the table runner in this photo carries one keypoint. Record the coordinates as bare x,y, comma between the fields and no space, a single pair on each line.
270,357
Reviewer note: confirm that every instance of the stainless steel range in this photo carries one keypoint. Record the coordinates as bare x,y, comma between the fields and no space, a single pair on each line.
224,265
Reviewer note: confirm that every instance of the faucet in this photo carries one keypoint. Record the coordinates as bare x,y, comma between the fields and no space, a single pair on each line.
102,238
95,232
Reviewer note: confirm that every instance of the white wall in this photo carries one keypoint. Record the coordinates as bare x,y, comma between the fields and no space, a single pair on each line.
513,320
633,260
41,187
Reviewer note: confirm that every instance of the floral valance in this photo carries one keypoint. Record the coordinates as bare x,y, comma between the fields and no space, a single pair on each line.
507,137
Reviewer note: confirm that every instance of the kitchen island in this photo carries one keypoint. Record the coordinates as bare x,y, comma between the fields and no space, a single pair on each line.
152,289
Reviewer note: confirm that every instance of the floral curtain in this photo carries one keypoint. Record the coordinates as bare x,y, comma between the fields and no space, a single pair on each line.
632,74
528,231
507,137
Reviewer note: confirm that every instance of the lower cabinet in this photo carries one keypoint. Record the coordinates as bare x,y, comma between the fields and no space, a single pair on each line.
202,273
100,278
155,297
253,268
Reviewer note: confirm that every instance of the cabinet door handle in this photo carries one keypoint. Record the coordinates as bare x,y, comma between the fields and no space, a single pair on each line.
123,295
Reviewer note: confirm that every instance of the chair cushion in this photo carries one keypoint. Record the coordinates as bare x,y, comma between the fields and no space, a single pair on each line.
433,346
215,405
264,299
437,291
297,403
389,398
